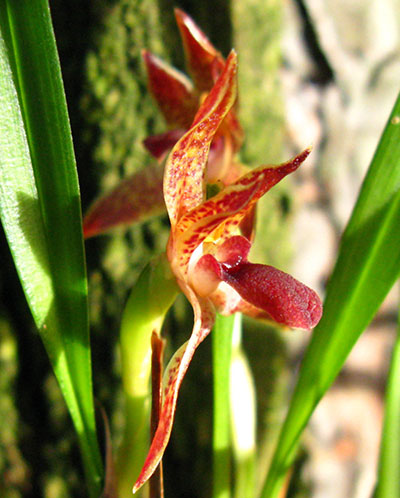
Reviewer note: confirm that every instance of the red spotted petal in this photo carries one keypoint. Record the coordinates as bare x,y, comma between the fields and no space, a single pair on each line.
204,316
203,60
226,210
286,300
159,145
172,90
184,172
205,64
136,199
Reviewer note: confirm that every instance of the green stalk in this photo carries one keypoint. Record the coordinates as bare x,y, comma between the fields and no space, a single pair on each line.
222,348
243,417
389,469
150,299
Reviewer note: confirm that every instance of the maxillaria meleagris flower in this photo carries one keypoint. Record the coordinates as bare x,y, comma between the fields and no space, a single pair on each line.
139,197
179,98
207,255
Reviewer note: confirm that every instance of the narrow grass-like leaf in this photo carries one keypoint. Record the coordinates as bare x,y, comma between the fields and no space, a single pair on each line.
40,207
366,269
222,444
389,469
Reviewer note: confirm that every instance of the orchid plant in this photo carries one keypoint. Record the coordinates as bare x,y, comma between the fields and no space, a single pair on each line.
211,235
206,257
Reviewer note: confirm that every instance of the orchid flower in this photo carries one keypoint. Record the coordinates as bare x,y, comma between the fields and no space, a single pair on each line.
140,196
178,98
209,257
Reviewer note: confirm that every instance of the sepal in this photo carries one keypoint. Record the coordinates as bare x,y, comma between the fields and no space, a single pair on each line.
172,91
204,62
134,200
204,317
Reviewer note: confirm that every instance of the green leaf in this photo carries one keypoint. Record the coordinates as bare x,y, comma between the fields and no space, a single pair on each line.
222,350
389,470
366,269
243,417
40,207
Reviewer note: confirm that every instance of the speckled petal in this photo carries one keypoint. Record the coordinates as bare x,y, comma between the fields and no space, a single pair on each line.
134,200
226,210
172,91
185,168
204,316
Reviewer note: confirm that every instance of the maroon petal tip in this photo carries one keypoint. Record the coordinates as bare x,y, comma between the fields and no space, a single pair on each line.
286,300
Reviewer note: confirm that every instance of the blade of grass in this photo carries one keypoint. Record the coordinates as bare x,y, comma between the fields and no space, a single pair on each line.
389,470
222,349
40,207
366,269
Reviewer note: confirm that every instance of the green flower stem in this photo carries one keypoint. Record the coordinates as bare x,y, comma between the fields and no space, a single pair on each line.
150,299
243,417
222,347
389,470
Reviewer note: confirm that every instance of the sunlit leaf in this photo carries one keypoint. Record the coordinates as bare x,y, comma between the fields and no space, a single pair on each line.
389,470
40,207
366,269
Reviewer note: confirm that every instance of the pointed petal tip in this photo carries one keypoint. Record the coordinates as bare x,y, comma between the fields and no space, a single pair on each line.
302,156
184,20
233,54
94,225
231,60
89,231
179,13
150,59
